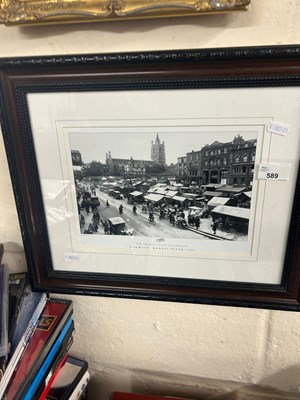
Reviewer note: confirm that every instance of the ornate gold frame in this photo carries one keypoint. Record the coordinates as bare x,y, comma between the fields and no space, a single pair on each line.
28,12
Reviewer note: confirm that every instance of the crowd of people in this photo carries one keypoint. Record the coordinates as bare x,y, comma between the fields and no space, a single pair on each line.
86,203
175,214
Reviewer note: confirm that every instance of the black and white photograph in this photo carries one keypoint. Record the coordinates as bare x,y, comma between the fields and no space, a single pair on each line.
182,185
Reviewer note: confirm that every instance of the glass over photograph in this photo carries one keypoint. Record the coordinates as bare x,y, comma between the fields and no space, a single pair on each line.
187,185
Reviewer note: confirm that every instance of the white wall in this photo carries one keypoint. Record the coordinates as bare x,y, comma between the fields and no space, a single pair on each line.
140,345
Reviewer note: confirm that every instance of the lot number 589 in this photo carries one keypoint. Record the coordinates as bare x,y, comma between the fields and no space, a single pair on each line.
271,175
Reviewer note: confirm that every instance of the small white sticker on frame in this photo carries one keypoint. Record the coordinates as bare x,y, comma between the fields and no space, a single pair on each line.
69,257
278,128
274,172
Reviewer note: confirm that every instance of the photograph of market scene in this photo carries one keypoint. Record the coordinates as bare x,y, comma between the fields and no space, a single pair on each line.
204,193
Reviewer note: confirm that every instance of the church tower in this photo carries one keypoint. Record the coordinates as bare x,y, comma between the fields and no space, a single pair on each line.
158,152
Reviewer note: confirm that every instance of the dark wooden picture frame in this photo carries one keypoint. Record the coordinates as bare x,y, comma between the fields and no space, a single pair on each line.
189,70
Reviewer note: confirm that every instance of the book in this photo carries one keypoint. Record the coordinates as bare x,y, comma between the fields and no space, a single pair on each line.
31,306
61,341
17,282
81,387
51,379
51,322
54,368
84,394
3,318
32,303
71,380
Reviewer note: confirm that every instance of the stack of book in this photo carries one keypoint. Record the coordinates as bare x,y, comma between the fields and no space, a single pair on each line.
35,337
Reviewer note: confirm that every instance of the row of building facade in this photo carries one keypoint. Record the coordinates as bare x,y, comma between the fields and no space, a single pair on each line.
230,163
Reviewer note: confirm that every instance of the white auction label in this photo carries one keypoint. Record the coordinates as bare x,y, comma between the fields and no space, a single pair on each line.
274,172
71,257
279,128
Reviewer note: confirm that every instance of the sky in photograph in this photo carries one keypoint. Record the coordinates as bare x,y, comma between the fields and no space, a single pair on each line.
94,146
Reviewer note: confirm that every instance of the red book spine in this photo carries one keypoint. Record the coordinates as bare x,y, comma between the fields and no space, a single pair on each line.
37,348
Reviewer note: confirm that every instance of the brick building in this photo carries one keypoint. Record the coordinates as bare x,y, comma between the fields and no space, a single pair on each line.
135,169
215,160
193,167
181,170
230,163
242,161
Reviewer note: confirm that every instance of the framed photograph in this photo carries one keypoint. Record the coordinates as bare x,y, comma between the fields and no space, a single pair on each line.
43,12
165,176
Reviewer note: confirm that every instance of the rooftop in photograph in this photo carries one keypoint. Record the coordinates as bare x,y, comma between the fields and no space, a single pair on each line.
233,189
179,198
214,185
136,193
243,213
216,201
171,193
249,194
154,197
211,193
192,195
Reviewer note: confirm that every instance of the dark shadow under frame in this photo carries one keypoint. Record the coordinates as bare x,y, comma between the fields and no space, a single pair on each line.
214,68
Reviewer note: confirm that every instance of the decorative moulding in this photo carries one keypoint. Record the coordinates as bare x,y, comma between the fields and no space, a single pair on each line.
42,12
